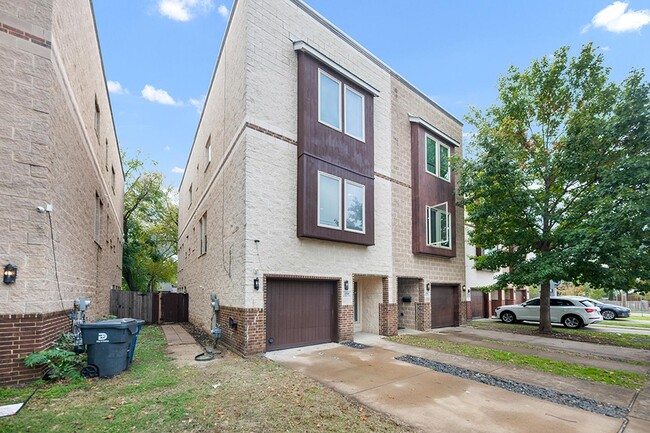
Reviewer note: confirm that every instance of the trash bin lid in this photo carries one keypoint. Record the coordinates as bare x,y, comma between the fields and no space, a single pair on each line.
127,323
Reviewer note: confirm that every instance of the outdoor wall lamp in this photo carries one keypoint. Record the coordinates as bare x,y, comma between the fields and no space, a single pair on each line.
346,285
256,283
9,275
428,287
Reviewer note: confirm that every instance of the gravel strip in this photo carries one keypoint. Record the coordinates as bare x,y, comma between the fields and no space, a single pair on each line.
520,388
354,345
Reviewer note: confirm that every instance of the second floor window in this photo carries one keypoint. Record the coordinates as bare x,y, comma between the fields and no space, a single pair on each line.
329,201
203,234
439,226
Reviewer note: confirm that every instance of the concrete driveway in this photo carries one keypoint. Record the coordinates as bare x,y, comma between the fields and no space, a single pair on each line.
432,401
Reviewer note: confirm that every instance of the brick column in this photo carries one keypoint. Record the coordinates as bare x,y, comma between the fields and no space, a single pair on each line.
387,312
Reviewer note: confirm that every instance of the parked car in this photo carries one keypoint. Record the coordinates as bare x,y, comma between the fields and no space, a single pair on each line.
570,311
610,311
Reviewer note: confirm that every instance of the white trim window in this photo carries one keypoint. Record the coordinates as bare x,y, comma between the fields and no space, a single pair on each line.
355,207
208,151
329,201
437,158
354,109
203,234
439,226
329,100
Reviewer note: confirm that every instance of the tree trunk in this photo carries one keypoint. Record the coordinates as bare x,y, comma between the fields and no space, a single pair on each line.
545,308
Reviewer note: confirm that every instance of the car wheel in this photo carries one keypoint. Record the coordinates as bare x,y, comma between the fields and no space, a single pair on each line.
609,315
508,317
573,322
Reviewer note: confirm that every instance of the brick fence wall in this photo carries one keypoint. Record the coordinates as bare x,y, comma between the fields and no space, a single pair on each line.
22,334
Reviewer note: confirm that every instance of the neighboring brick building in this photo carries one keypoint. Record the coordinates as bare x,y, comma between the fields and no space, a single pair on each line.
317,200
59,147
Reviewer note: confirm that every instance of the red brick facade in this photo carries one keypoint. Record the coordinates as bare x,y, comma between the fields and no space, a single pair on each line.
250,334
388,319
22,334
422,316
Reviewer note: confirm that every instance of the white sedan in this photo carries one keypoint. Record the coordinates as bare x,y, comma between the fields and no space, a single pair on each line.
570,311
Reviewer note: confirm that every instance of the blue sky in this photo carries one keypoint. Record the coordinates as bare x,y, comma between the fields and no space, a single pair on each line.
159,55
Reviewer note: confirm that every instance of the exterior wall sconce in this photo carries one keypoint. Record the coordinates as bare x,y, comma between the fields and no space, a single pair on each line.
346,285
428,287
9,275
256,283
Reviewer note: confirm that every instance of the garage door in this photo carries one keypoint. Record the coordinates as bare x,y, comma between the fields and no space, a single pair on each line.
300,313
478,304
519,296
443,306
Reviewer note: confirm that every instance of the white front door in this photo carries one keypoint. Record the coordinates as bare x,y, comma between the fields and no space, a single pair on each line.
356,307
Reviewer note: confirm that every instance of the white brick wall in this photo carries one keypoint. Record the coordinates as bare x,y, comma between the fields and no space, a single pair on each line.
46,129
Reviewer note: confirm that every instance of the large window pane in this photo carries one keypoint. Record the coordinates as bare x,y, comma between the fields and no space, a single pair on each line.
355,214
329,100
329,201
444,162
438,226
431,156
354,120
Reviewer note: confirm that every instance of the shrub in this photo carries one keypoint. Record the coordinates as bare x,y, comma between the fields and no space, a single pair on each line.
61,360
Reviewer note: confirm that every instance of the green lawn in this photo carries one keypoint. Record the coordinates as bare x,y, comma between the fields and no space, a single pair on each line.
624,322
583,334
617,378
155,395
645,317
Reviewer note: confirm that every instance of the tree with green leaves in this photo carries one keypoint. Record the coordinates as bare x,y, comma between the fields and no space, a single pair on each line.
150,228
558,185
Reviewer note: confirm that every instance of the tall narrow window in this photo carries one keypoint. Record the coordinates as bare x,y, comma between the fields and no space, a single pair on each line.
106,154
432,156
439,226
97,118
444,161
355,212
329,100
208,151
203,233
354,114
329,201
99,210
190,195
113,178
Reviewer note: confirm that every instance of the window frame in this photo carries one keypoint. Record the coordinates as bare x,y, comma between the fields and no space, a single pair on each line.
444,209
318,200
363,113
97,120
438,145
347,182
113,178
99,212
203,234
339,101
208,151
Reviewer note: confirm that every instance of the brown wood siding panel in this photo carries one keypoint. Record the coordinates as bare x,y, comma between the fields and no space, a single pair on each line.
174,307
300,313
308,169
478,304
322,141
323,148
443,306
429,190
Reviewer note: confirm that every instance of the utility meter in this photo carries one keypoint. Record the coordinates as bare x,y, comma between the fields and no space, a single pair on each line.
215,302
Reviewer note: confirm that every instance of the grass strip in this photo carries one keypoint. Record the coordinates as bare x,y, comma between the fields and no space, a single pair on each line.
157,395
634,341
610,377
623,322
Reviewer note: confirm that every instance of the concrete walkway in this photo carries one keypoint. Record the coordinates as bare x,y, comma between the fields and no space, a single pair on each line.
177,335
438,402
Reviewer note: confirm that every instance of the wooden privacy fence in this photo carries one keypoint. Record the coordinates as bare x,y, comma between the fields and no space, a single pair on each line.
150,307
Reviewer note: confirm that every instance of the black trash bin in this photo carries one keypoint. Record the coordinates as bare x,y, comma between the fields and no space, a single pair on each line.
108,345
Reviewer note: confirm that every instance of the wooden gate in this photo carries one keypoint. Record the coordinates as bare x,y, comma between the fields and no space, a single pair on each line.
174,307
135,305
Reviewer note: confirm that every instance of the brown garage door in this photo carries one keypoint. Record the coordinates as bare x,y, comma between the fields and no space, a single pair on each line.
300,313
478,304
443,306
519,296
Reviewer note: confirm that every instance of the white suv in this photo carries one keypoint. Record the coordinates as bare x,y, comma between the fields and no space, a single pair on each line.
571,311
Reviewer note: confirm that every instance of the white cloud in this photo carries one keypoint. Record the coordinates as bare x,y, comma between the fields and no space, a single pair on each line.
617,18
223,10
605,48
167,148
198,103
116,87
160,96
183,10
178,170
